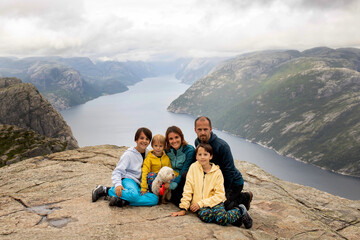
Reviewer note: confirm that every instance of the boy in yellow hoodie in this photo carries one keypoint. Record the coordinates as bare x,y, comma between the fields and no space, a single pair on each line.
154,161
204,192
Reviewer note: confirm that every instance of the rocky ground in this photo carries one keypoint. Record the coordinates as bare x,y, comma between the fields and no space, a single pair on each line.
50,198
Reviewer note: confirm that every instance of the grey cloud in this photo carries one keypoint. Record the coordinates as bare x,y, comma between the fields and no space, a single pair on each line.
26,8
217,28
303,4
324,4
51,13
236,4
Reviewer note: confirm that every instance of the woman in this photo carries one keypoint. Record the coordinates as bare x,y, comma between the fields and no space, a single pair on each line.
181,155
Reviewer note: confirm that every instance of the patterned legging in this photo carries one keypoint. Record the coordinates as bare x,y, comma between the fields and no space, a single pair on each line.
150,178
219,215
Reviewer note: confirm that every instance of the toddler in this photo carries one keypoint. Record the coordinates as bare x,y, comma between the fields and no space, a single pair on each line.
154,161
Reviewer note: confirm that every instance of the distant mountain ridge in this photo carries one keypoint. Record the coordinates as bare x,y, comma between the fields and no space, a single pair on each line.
67,82
302,104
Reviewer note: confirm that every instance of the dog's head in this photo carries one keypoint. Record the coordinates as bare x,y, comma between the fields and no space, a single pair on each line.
166,174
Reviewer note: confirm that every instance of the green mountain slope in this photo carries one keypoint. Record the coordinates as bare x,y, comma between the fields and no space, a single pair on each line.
305,105
17,144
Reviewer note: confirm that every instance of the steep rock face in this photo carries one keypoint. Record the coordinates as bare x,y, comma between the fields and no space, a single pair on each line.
6,82
50,198
22,105
304,105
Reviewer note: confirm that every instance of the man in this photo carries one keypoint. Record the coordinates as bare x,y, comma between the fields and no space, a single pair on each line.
233,180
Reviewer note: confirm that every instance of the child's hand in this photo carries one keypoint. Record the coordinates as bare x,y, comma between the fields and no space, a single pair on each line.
194,207
179,213
118,190
143,192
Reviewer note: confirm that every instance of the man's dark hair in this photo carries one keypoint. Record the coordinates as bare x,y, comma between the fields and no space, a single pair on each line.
202,118
146,131
205,146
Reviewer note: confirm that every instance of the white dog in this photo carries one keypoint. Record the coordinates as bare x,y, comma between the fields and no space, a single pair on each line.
165,175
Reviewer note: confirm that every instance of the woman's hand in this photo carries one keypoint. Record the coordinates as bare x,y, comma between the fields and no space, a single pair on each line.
167,185
179,213
173,185
194,207
143,192
118,190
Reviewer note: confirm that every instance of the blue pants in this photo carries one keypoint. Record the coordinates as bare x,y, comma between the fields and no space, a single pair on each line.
132,194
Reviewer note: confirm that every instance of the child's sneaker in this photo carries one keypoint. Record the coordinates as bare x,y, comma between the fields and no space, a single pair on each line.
247,198
246,219
98,192
116,201
238,222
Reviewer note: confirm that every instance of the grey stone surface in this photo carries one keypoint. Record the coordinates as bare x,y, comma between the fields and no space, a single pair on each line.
50,198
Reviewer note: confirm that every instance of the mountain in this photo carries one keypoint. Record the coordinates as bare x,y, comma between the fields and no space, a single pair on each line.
29,124
67,82
63,86
196,69
302,104
50,198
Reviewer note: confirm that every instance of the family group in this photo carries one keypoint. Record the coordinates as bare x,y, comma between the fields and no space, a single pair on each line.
205,180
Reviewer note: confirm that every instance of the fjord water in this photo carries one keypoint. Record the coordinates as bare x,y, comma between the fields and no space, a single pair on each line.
114,119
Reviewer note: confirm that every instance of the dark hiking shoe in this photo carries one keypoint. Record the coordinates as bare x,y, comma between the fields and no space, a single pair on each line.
238,222
247,198
246,219
98,192
230,205
115,201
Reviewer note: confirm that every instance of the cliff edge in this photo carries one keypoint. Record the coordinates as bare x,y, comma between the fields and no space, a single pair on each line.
22,105
49,197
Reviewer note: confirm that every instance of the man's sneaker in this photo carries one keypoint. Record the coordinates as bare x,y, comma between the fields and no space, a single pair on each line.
247,198
246,219
98,192
116,201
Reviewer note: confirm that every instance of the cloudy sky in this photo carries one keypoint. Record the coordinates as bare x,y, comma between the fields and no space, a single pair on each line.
165,29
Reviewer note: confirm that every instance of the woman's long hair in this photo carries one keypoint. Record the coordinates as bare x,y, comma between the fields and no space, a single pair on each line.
176,130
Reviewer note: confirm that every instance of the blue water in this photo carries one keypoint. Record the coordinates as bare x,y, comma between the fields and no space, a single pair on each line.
114,119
